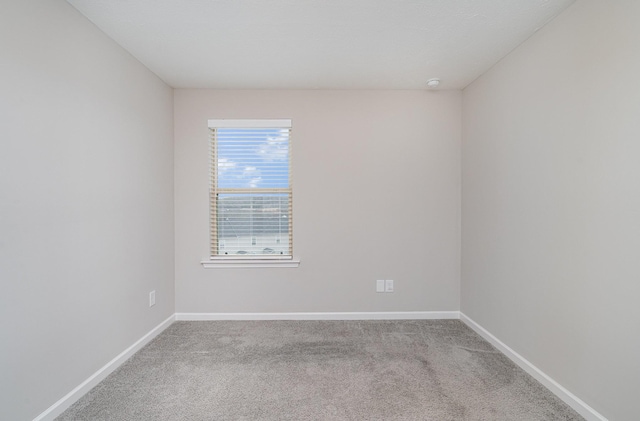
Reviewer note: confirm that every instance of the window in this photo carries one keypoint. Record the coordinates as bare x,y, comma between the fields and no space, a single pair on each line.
250,190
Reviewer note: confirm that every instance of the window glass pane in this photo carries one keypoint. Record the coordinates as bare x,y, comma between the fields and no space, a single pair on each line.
253,224
253,158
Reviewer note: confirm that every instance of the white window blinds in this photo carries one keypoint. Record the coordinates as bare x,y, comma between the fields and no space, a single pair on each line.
251,190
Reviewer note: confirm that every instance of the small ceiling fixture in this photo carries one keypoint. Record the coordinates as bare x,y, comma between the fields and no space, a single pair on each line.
433,83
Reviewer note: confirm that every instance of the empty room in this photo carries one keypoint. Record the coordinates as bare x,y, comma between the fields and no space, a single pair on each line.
319,210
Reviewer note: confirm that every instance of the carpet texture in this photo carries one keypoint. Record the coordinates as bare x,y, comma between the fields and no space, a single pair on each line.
319,370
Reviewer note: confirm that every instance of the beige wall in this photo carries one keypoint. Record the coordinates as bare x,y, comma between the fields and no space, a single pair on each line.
551,203
376,196
86,203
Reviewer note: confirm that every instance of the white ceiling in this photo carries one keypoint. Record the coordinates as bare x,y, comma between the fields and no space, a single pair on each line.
319,44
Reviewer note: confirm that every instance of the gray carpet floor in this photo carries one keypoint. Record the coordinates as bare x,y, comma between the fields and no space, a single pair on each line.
319,370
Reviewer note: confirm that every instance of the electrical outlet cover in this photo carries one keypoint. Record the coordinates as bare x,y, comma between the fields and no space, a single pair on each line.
388,285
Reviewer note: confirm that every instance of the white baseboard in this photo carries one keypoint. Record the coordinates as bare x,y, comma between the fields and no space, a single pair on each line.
569,398
70,398
384,315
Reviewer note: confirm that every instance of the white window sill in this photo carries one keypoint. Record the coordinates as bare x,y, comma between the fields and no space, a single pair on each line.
224,263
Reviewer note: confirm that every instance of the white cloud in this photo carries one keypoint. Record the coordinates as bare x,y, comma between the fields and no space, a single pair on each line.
275,148
253,176
224,165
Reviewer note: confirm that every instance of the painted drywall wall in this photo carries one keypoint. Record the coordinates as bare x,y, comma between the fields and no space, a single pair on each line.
376,178
86,203
551,203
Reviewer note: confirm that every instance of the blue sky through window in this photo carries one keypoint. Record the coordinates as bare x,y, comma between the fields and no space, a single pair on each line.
253,158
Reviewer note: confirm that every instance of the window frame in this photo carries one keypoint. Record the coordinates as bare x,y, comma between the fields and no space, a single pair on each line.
245,261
